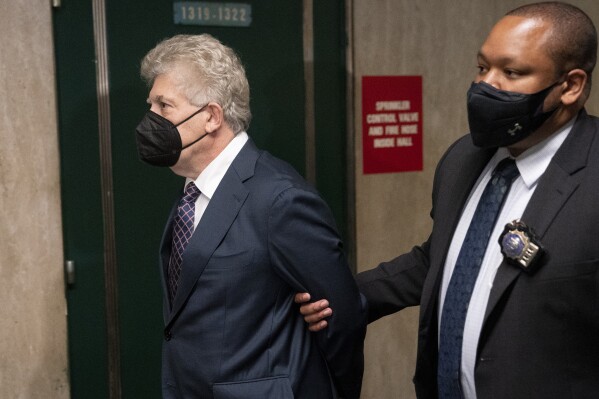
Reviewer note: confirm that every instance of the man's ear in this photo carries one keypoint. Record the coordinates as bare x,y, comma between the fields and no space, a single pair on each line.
576,82
216,117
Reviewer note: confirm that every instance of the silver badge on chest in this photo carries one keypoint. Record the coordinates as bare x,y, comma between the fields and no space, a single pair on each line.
519,246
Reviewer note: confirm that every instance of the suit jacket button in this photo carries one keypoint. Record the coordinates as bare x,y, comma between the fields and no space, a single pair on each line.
168,335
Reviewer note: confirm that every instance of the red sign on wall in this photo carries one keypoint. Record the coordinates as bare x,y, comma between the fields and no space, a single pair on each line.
392,123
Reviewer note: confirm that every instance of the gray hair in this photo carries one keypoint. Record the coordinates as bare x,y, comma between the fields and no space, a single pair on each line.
206,71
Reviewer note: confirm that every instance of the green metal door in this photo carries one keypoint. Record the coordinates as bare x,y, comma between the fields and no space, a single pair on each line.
115,207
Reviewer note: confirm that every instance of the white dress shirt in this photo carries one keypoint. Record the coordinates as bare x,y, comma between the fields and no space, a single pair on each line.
531,165
211,177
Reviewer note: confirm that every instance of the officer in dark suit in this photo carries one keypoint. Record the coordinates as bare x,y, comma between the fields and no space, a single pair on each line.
523,313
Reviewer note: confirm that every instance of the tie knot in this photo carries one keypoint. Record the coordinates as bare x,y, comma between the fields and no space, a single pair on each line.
192,192
507,169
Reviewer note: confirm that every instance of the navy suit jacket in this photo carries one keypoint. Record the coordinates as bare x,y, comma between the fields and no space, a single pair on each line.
234,330
540,335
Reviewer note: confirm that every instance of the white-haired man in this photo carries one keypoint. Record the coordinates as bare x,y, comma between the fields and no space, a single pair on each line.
247,233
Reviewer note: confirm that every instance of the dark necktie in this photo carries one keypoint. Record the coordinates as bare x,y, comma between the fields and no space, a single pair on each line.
464,276
182,231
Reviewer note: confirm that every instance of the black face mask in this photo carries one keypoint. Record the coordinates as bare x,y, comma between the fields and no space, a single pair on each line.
158,140
499,118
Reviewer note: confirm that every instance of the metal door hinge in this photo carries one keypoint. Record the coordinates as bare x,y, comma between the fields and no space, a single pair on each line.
69,272
56,3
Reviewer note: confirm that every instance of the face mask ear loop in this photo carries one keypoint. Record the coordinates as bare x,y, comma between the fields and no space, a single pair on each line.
188,118
195,141
191,116
553,86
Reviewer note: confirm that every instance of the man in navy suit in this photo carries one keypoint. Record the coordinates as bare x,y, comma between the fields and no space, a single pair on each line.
531,327
247,233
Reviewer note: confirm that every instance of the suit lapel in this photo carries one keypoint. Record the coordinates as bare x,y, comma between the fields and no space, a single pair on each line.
555,187
454,180
165,255
461,175
216,221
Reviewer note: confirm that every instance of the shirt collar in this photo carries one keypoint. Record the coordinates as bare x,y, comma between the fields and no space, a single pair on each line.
533,162
212,175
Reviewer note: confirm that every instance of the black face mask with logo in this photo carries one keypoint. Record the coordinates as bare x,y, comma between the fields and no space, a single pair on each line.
158,140
499,118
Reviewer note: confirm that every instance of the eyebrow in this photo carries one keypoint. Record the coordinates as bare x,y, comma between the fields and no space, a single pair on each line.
160,98
506,59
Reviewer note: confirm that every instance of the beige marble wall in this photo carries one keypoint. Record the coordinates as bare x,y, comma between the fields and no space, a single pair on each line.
33,360
437,39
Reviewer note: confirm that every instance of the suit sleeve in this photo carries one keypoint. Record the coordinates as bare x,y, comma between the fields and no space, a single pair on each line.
306,250
396,284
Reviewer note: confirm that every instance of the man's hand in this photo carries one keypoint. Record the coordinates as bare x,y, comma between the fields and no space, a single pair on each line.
314,312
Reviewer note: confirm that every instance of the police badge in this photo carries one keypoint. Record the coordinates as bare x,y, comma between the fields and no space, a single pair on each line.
519,246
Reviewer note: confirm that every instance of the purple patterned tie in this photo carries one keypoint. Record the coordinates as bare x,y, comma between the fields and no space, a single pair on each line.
463,278
182,231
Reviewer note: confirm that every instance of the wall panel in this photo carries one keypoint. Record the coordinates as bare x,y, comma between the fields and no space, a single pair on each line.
33,310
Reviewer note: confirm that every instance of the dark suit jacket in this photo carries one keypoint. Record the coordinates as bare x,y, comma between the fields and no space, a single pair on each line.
234,330
540,336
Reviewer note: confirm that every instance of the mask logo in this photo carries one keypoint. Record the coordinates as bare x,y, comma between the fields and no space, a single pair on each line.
515,129
499,118
158,140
